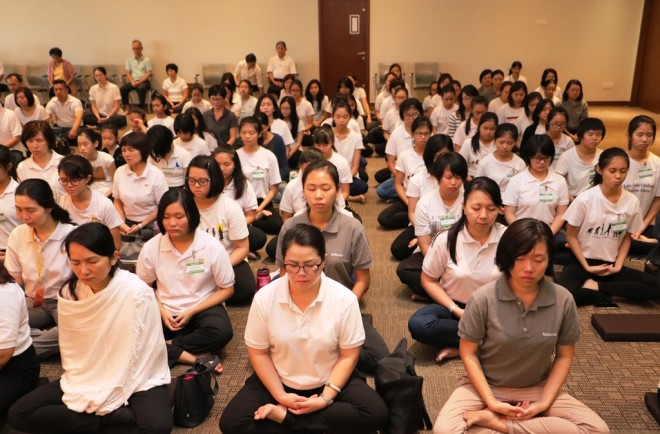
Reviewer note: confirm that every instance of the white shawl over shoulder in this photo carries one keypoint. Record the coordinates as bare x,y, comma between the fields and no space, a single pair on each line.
112,345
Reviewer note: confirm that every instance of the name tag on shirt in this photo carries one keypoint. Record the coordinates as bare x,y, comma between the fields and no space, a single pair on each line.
546,196
446,221
620,226
195,267
645,172
259,174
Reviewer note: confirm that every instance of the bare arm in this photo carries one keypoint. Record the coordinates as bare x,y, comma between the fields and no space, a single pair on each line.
438,294
398,186
250,216
424,243
391,163
412,204
272,192
241,250
558,222
362,282
355,164
510,214
233,131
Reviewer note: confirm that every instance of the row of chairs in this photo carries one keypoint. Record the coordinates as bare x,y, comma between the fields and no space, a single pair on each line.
424,73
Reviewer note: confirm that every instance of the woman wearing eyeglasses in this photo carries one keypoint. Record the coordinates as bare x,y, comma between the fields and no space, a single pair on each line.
137,187
304,334
193,280
223,218
555,129
349,257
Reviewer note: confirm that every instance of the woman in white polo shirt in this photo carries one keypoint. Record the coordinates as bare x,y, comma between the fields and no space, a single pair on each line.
39,138
223,218
8,218
84,204
600,222
103,165
35,258
193,277
170,158
458,262
19,364
304,334
518,337
260,168
137,187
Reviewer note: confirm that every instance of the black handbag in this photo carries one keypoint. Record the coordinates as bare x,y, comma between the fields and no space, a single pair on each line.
195,392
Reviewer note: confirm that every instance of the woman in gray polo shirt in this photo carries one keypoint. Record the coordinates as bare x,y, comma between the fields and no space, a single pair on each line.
518,335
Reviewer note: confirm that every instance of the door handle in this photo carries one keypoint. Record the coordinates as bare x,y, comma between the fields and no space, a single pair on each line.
362,53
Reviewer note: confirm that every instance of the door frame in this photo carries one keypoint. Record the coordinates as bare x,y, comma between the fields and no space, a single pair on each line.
641,49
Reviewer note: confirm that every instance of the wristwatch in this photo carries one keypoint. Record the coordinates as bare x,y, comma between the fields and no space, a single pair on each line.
327,400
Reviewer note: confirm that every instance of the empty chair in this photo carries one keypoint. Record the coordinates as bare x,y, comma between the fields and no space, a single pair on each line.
425,74
383,69
212,73
36,77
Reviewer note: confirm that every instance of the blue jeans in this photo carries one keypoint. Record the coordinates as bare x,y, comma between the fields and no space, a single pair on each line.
434,325
386,190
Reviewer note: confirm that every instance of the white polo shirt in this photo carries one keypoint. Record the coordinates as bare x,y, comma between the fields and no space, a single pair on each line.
347,146
225,221
280,128
421,183
260,169
243,109
409,162
474,158
305,109
196,146
392,119
399,141
293,199
500,171
64,112
579,174
174,169
139,194
185,279
38,115
105,97
248,201
203,106
243,72
28,169
10,102
29,258
643,180
440,118
14,327
100,209
534,198
102,172
345,176
10,127
280,67
433,216
175,88
476,263
304,346
8,218
167,121
603,223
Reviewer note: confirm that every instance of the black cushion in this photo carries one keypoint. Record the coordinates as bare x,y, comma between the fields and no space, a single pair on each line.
627,327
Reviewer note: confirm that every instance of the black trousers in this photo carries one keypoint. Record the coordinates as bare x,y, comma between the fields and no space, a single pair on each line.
410,273
271,225
271,247
395,216
628,283
399,248
42,411
208,331
357,409
141,90
245,285
257,238
90,119
18,377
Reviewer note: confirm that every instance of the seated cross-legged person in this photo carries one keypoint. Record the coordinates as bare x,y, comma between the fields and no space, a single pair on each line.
105,101
513,379
304,334
65,111
458,262
115,364
193,277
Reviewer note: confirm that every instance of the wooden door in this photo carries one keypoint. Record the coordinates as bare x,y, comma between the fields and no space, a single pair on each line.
343,42
646,92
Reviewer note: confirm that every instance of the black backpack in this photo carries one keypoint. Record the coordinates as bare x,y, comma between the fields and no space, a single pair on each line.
401,389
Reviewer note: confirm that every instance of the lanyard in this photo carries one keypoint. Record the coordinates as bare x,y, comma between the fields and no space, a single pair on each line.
38,256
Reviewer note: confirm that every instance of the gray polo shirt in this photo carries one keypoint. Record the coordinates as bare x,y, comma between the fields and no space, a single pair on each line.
346,246
516,346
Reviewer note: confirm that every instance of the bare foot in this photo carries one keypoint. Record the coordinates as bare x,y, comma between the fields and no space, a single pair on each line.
485,418
358,199
446,354
590,284
417,297
218,368
273,412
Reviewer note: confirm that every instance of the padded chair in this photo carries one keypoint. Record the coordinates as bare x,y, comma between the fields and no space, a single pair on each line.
425,74
38,81
212,73
383,69
8,70
83,75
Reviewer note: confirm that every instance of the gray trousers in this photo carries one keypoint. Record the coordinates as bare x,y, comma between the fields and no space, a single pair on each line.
43,325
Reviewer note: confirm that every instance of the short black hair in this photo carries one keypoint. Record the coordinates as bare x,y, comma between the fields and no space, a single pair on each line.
217,181
519,239
139,141
55,52
172,66
590,124
76,167
250,58
537,144
187,201
304,235
408,104
453,161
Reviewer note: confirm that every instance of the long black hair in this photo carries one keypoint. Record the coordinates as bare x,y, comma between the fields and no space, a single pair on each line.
39,191
606,158
237,176
480,183
486,117
293,117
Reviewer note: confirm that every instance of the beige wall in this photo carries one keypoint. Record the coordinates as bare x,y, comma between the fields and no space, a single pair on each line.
593,40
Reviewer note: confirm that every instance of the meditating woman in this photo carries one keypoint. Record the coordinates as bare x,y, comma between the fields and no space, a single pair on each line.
115,364
35,259
518,336
458,262
304,377
193,277
103,165
223,218
39,138
7,206
349,256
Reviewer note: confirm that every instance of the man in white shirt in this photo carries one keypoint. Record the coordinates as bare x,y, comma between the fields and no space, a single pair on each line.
249,70
3,87
279,66
65,111
14,81
10,129
138,71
